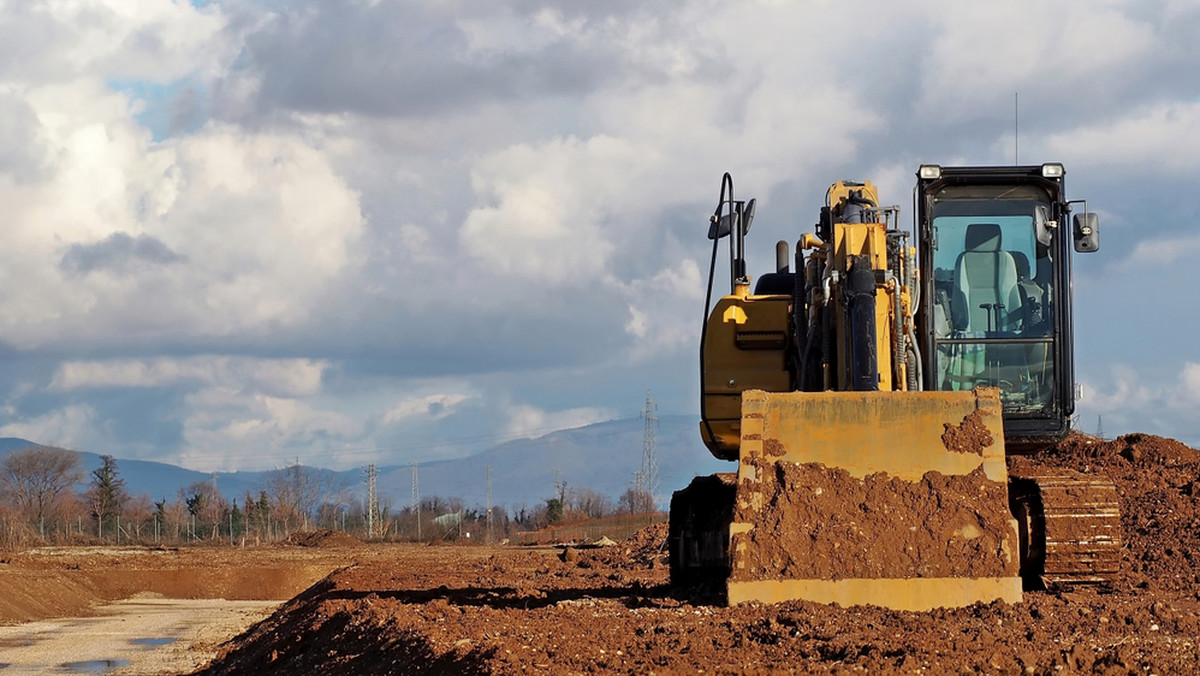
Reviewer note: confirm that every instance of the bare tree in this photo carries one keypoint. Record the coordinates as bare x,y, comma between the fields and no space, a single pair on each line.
636,501
36,479
588,503
296,491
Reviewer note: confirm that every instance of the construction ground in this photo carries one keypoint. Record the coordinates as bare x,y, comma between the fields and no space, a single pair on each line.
337,606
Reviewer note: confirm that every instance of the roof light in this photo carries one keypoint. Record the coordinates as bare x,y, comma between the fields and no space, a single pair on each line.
1052,170
929,171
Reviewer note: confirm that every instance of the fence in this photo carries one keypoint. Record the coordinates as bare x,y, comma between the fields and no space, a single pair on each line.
613,527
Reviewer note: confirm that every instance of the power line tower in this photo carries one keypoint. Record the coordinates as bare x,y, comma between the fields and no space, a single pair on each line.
489,504
1100,426
649,461
372,502
416,499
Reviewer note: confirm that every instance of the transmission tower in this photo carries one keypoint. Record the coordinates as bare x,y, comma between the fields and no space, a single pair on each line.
1100,426
416,499
649,462
489,504
372,502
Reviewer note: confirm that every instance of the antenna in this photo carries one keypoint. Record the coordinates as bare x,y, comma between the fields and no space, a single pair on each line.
1016,128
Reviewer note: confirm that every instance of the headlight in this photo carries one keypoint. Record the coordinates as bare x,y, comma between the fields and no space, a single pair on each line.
1052,170
929,171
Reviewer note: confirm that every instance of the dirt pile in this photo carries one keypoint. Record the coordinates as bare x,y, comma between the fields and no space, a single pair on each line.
322,538
610,610
821,523
1156,480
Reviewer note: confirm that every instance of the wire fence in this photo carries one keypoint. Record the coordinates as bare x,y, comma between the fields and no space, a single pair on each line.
612,527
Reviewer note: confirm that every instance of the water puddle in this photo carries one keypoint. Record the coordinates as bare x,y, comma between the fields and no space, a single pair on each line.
91,666
149,643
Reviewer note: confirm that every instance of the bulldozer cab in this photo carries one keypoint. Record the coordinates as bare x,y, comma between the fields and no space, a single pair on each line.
995,269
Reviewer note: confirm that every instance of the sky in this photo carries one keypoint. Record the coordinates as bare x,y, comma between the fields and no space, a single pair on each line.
240,234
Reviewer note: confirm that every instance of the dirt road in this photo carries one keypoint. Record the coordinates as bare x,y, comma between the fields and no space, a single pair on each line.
142,635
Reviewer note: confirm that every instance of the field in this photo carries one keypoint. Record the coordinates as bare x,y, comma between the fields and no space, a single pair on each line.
507,610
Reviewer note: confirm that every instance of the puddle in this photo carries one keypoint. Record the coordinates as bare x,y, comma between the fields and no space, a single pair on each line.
151,642
91,666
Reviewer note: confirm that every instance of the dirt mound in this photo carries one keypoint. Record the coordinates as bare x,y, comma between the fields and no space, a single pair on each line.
644,550
610,610
322,538
814,522
1156,479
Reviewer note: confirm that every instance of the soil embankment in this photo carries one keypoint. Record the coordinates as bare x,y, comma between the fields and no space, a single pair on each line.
455,610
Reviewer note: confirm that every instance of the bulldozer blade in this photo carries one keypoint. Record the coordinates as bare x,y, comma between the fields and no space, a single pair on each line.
894,499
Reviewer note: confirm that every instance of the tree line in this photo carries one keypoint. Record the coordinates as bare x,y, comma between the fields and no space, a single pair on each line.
40,503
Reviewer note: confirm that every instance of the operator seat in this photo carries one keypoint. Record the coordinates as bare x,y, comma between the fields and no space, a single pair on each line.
986,283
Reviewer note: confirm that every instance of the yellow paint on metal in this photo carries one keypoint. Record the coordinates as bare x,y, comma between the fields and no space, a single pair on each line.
734,314
918,593
868,432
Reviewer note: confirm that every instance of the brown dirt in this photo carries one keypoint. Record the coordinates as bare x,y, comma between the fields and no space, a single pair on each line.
969,436
415,609
610,610
821,523
322,538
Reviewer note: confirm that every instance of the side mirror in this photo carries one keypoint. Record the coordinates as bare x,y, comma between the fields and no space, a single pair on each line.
723,226
719,228
1087,232
748,215
1042,225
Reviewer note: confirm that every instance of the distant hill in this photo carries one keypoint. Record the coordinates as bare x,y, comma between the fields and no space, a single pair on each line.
603,457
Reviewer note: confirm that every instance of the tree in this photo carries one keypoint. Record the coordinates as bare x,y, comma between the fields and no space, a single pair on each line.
588,503
296,491
35,480
106,495
207,507
636,501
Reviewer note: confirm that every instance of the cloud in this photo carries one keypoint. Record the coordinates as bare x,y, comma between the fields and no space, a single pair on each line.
73,426
427,408
530,421
278,377
118,252
228,429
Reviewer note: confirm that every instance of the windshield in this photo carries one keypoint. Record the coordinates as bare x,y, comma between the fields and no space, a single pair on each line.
993,299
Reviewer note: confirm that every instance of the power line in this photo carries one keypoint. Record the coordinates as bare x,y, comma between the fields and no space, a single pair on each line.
649,461
372,502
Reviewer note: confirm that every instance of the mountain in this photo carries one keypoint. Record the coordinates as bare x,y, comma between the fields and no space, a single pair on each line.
602,457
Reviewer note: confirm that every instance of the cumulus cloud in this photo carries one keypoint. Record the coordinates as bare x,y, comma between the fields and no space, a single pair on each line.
530,421
513,194
228,429
427,408
278,377
75,426
118,252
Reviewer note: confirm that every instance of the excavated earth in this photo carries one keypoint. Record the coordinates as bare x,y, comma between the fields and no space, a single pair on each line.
408,609
611,610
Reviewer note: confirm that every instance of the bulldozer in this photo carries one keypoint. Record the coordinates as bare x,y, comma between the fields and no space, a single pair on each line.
871,390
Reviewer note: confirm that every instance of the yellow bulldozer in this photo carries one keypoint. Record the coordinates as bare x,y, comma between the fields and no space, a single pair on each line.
872,393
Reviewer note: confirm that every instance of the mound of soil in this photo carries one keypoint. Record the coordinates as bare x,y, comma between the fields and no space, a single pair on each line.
611,610
322,538
814,522
1156,479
